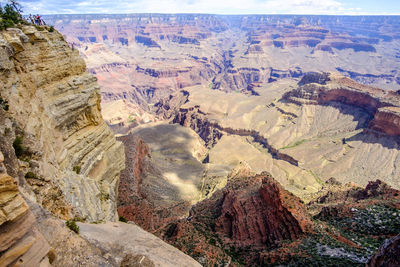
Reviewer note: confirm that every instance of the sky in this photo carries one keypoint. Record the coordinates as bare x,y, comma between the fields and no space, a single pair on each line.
328,7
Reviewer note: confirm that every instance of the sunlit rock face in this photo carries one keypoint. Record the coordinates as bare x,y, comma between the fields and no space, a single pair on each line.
141,58
55,106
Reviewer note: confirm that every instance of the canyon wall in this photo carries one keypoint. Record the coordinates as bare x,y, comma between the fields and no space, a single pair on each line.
55,106
324,88
60,162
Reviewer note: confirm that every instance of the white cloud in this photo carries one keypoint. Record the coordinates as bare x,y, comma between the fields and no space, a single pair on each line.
334,7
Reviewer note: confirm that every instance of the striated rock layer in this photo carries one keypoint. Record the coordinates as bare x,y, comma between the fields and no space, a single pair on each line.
21,243
252,211
43,79
323,88
260,213
132,246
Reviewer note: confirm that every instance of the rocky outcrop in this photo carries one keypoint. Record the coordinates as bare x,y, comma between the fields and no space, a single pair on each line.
129,245
387,255
259,212
163,176
252,212
166,108
21,243
43,79
324,88
195,119
65,160
387,120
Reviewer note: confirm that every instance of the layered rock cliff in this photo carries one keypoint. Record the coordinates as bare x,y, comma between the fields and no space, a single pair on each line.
252,213
55,104
60,161
141,58
325,88
21,242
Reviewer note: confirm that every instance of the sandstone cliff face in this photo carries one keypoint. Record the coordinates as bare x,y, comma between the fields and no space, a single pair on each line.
56,106
253,212
21,243
259,212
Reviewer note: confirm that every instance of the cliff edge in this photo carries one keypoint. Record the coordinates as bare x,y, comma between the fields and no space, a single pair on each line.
55,105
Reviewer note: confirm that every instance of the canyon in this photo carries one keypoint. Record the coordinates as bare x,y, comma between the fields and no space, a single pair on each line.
243,134
142,58
195,139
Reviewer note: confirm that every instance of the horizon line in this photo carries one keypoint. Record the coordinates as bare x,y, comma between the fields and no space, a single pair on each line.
216,14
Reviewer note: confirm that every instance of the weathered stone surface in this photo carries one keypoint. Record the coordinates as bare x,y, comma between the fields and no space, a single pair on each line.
20,242
77,159
163,177
258,211
12,231
121,239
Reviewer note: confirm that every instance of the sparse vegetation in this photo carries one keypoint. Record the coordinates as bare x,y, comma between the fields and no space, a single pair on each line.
10,15
72,225
294,144
104,196
51,29
30,175
77,169
4,104
316,178
131,119
17,145
123,219
39,28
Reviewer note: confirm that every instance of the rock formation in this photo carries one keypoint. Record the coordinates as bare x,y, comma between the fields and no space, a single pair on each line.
43,79
59,161
140,58
163,177
252,211
323,88
254,221
260,213
21,242
135,245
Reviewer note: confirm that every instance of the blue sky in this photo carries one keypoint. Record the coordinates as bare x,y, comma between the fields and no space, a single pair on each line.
333,7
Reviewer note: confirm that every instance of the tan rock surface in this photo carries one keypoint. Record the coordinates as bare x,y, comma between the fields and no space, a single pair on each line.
20,242
45,80
120,239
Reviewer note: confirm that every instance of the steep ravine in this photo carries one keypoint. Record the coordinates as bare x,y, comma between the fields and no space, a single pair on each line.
211,132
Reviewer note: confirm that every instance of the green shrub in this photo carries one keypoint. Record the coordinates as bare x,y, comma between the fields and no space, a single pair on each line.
73,226
10,15
30,175
39,28
122,219
4,104
77,169
51,29
17,145
104,196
